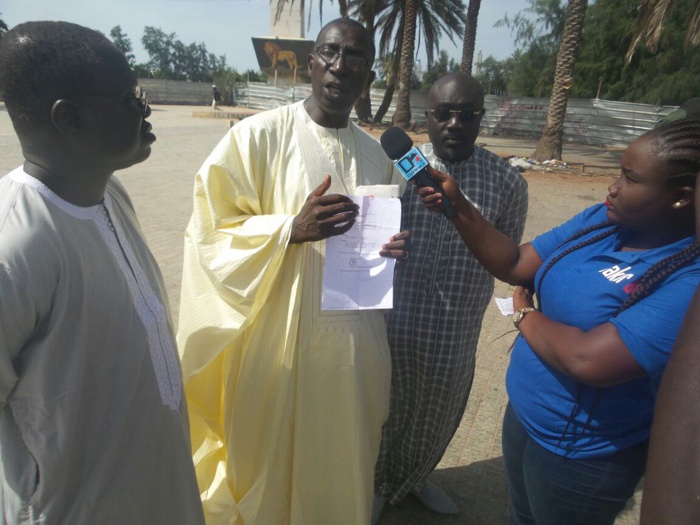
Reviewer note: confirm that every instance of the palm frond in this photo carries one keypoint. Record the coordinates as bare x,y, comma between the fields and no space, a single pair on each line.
650,22
692,36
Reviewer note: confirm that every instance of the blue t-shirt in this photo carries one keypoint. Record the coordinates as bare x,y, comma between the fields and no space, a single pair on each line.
585,289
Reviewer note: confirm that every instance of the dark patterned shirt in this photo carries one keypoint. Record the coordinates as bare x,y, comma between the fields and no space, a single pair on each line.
440,296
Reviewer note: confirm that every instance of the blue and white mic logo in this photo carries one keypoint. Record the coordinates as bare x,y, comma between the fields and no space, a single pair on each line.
411,163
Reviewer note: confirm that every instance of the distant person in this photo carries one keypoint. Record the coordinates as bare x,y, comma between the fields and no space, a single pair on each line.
612,286
287,400
216,97
93,421
672,482
689,109
440,296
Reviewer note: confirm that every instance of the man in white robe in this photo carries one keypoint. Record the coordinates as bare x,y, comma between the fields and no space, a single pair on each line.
287,401
93,419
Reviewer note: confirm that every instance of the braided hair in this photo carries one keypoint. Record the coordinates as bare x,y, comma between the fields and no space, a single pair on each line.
677,144
607,233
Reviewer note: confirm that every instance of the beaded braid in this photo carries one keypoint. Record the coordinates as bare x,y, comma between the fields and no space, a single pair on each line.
659,272
655,275
679,144
571,249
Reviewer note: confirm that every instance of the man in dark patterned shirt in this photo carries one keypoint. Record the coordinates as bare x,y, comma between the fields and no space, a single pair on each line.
440,296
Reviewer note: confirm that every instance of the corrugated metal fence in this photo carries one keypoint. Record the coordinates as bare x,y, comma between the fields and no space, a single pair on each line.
596,122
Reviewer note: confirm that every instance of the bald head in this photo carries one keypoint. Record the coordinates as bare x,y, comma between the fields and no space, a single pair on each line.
456,88
41,62
455,108
348,23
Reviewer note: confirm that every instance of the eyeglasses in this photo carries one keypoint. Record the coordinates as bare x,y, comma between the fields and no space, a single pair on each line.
465,115
330,56
130,98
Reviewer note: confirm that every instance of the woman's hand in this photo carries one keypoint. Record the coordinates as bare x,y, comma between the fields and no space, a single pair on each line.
522,298
432,199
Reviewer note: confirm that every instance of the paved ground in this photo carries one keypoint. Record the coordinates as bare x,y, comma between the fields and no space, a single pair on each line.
471,471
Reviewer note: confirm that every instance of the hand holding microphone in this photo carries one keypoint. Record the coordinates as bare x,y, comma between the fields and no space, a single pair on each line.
412,164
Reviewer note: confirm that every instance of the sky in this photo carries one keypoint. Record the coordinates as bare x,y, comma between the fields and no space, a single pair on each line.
226,26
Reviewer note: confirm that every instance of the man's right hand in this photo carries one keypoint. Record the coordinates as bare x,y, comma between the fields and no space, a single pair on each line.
323,216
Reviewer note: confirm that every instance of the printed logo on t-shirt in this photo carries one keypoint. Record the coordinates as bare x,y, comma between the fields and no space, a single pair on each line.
617,274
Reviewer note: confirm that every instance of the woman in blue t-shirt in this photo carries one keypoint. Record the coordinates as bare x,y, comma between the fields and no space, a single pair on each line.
612,285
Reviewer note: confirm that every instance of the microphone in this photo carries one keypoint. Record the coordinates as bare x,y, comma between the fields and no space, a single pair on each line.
412,164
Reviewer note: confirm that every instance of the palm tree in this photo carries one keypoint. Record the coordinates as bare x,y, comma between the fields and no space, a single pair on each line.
383,16
392,76
650,22
389,23
436,17
549,146
365,12
470,36
402,115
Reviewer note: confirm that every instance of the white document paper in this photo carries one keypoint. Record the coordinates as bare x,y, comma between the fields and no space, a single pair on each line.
505,305
355,276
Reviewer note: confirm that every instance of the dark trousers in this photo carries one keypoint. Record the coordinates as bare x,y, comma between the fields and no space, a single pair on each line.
548,489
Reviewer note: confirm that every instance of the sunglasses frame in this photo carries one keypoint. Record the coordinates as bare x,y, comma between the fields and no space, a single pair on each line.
465,115
137,96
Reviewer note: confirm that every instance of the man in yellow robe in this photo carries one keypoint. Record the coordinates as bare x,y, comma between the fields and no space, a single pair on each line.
287,401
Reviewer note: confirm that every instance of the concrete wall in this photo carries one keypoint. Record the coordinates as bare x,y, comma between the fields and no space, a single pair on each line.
178,92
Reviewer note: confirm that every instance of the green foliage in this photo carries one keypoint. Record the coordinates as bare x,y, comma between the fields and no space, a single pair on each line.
669,77
443,65
537,31
170,58
542,22
123,44
672,74
494,75
607,32
252,76
532,73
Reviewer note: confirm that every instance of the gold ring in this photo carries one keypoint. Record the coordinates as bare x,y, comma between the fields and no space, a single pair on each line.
406,255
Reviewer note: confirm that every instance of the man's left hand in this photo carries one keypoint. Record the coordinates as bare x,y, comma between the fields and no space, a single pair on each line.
397,247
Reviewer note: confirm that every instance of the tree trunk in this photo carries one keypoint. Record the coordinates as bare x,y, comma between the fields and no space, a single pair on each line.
391,85
549,146
363,106
386,102
402,117
470,37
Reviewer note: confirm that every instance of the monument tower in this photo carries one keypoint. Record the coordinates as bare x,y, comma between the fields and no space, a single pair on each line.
282,55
